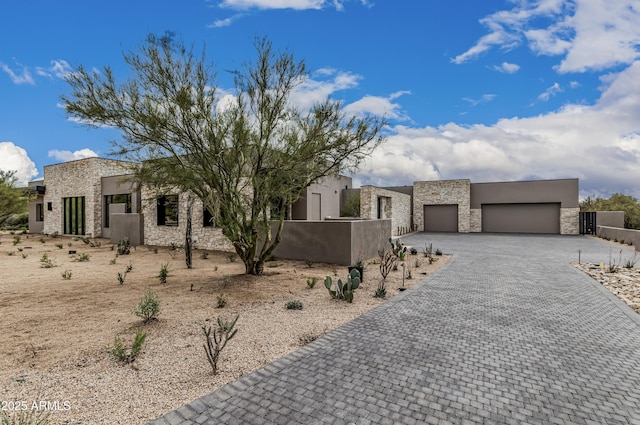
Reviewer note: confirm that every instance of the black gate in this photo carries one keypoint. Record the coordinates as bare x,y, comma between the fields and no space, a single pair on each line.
588,223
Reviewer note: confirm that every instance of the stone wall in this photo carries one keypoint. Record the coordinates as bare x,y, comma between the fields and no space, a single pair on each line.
76,179
475,220
397,207
445,192
203,237
569,221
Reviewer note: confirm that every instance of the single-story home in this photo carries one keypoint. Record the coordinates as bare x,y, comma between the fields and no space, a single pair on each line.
96,197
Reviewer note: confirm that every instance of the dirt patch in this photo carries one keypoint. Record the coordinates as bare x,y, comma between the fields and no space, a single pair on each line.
56,333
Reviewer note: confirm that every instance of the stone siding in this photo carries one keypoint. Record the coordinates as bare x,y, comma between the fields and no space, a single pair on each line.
475,220
569,221
76,179
203,237
446,192
397,207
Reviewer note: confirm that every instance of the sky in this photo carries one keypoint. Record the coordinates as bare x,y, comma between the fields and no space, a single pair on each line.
480,90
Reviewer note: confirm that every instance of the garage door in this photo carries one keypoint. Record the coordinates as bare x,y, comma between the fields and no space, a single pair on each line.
521,218
441,218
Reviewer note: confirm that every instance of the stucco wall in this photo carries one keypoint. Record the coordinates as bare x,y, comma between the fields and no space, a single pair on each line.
76,179
610,218
36,226
333,241
330,190
398,207
627,236
444,192
563,191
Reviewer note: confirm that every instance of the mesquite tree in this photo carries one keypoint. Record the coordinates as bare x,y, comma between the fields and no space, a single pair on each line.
248,155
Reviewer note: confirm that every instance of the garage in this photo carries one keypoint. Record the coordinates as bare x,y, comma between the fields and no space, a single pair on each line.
521,218
441,218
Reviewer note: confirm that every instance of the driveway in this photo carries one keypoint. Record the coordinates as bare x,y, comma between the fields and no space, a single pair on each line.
507,333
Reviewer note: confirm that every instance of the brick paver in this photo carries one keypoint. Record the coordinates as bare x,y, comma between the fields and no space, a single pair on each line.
507,333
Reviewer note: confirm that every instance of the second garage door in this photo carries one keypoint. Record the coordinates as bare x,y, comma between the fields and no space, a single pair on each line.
521,218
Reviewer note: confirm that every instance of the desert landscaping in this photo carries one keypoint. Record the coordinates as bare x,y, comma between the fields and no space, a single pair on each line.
60,316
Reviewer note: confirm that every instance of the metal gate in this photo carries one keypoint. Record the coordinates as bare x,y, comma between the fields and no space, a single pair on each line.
588,223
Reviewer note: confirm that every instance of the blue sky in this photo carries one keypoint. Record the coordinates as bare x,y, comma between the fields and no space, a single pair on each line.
490,91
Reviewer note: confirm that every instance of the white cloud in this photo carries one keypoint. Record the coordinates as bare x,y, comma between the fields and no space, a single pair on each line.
273,4
599,144
314,90
220,23
591,34
58,68
380,106
507,68
15,158
23,76
484,99
66,156
551,91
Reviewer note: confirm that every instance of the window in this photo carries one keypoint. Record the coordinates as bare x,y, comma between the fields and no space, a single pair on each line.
168,210
123,198
74,215
49,206
39,212
207,218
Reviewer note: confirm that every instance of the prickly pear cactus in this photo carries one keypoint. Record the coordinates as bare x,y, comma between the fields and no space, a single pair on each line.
328,283
344,291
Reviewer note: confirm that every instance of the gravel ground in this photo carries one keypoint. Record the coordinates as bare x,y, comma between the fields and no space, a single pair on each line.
57,333
624,282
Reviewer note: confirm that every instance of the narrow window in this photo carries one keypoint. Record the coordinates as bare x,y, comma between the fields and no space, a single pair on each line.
168,210
39,212
207,218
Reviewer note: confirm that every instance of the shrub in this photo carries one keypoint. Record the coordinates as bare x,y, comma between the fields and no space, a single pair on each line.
16,240
214,344
124,247
164,272
81,257
630,263
46,262
59,245
149,306
122,277
128,356
25,417
204,255
294,305
309,262
221,301
66,275
381,290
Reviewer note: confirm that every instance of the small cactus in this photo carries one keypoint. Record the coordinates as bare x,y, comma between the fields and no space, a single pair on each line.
344,291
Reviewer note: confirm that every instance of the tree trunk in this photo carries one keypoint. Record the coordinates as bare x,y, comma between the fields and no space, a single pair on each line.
187,237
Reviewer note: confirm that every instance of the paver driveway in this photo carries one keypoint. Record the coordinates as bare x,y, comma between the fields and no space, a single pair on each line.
507,332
